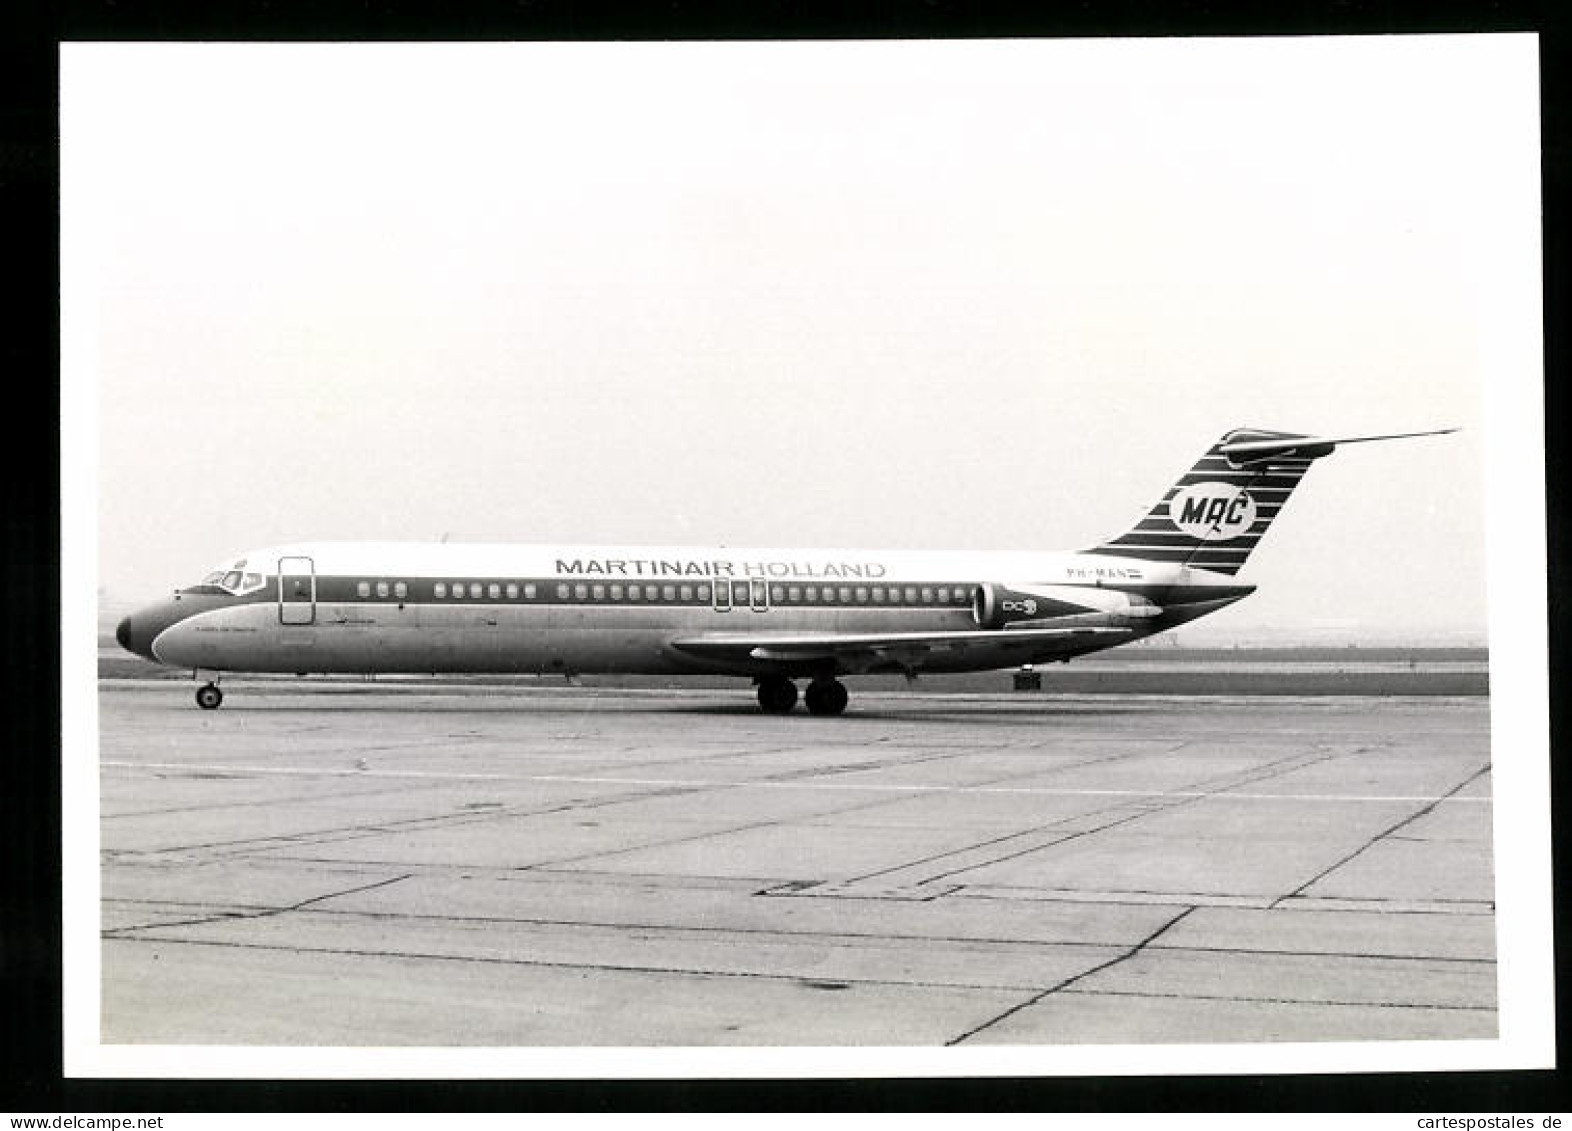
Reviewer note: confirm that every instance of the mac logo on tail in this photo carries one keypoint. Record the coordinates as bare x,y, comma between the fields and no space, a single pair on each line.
1212,512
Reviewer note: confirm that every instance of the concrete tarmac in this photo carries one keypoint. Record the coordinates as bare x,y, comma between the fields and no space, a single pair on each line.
353,864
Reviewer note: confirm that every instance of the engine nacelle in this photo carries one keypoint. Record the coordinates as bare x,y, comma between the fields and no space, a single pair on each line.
994,606
998,606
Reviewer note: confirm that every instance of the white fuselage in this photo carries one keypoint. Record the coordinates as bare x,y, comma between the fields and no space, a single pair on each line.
413,607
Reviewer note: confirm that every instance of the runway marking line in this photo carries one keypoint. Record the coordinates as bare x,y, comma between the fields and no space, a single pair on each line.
701,783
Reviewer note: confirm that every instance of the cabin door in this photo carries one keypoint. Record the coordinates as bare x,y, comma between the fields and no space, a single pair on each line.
297,591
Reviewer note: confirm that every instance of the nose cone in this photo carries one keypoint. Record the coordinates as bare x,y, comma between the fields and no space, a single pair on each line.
138,631
133,635
147,627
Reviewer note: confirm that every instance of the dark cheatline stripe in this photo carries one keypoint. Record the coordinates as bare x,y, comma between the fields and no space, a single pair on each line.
1164,525
1172,553
1249,482
1166,530
1178,540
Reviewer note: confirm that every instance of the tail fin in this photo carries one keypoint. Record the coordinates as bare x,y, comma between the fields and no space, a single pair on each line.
1217,512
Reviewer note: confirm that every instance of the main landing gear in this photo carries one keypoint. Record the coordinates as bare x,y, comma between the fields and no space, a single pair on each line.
208,697
777,695
825,695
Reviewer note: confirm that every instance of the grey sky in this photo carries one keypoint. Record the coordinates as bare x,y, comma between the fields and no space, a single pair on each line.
943,295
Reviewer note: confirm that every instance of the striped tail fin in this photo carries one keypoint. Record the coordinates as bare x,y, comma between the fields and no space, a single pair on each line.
1217,512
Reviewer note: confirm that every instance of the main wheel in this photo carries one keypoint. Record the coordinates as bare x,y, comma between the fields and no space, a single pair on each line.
208,697
826,697
777,695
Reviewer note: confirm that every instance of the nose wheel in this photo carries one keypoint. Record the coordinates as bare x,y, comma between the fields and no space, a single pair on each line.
826,697
208,697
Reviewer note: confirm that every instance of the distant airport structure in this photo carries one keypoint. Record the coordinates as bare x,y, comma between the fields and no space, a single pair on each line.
771,615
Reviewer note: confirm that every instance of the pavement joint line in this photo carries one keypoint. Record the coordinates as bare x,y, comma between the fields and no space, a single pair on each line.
892,937
1047,838
698,783
1283,1000
339,833
1070,981
1193,948
681,971
1380,836
254,911
264,913
1054,835
1326,905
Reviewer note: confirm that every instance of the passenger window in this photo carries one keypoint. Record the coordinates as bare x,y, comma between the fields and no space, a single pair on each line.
704,593
513,590
878,594
668,593
599,592
562,592
581,592
382,589
927,595
400,590
494,591
862,594
529,592
687,592
942,595
794,594
777,593
845,594
616,592
811,594
911,594
635,593
363,589
458,589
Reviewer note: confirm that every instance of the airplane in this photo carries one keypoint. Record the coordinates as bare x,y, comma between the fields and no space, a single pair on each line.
772,615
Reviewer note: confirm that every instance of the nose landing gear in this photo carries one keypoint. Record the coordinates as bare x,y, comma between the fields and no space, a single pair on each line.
208,696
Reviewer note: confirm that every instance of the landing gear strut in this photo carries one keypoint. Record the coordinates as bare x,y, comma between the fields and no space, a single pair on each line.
777,694
208,697
826,697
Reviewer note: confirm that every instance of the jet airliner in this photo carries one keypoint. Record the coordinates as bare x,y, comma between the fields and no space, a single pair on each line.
772,615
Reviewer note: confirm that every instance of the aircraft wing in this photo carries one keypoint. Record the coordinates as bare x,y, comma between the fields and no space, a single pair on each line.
859,651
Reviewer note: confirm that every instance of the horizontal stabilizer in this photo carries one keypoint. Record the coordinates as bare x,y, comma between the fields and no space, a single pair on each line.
1242,452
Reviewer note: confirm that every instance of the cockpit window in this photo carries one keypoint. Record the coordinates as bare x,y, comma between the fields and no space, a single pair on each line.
234,579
